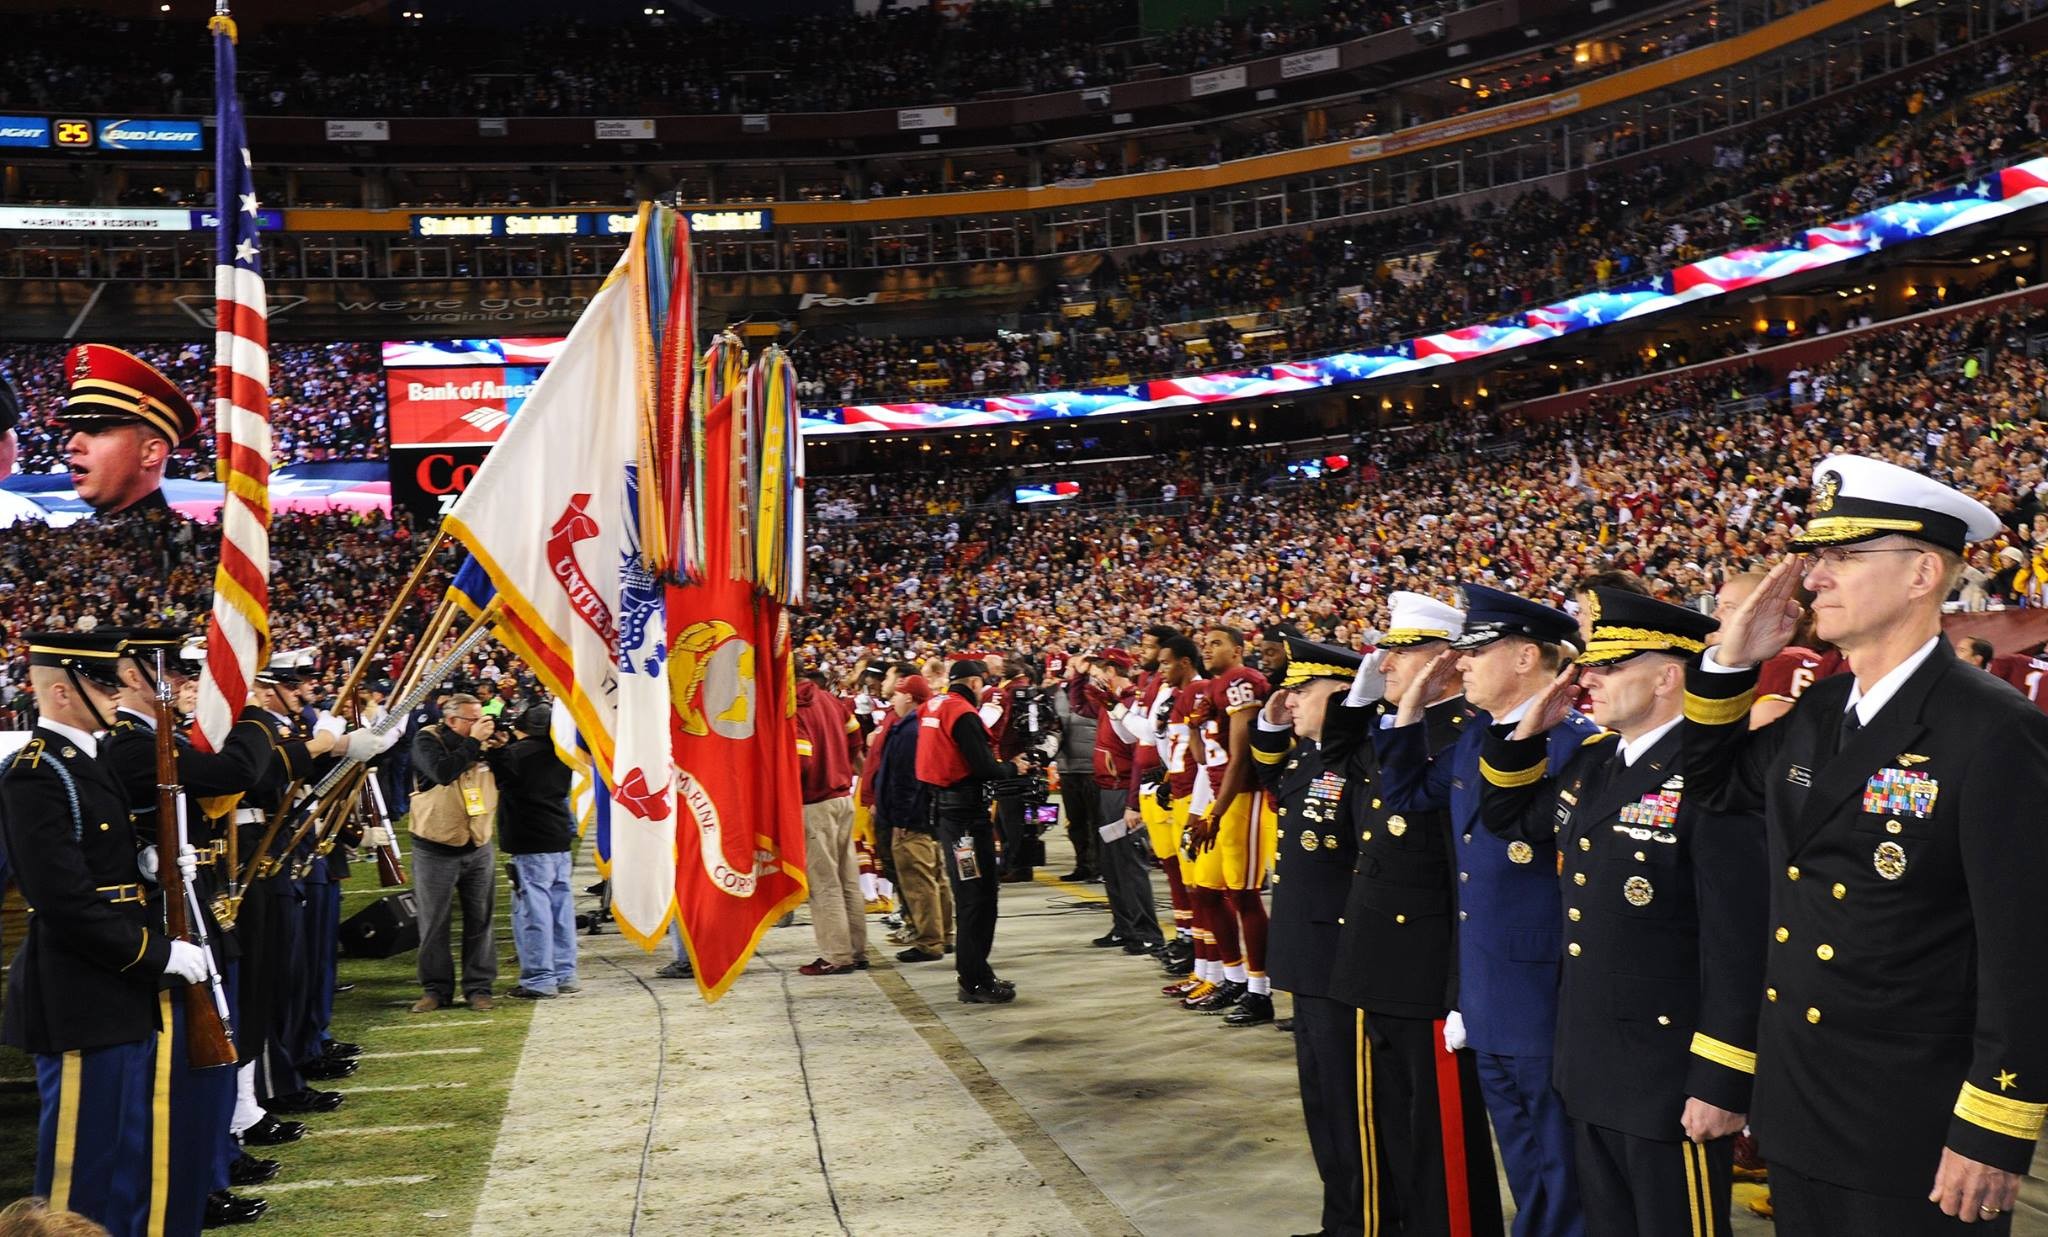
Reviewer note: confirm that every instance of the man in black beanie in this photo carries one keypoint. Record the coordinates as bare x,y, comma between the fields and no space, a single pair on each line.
535,830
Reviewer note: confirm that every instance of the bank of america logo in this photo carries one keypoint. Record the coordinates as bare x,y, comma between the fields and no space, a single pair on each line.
489,420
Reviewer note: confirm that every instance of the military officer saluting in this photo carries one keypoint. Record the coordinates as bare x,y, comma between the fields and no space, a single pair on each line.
82,994
1664,907
1307,764
1396,957
1509,943
1902,1064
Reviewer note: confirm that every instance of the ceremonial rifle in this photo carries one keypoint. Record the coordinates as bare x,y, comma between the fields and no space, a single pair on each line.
207,1039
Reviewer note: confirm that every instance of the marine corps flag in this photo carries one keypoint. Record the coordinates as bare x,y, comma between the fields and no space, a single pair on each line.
638,526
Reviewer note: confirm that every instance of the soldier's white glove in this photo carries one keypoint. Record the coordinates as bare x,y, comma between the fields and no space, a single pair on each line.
330,724
376,836
1454,1031
366,745
146,863
188,962
1369,684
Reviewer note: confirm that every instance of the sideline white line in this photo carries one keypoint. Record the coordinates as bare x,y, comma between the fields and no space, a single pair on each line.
381,1129
346,1183
420,1052
409,1086
439,1024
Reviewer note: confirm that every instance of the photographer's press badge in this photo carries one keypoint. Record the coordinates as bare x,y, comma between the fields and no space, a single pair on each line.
964,860
473,800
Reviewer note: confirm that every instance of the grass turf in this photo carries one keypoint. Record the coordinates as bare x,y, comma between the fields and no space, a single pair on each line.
462,1096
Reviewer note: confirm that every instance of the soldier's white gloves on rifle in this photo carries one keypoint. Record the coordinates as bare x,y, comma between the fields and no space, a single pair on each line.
367,745
188,863
188,962
376,836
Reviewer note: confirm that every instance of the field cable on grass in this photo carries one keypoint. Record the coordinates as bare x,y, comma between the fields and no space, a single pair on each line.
803,1066
654,1109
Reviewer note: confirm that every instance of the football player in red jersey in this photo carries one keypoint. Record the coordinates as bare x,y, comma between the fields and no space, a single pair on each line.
1785,677
1233,835
2026,671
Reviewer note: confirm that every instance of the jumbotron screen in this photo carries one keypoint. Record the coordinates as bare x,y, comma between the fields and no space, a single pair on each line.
450,402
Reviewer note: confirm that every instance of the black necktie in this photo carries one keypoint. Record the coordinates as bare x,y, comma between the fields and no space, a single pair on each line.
1851,723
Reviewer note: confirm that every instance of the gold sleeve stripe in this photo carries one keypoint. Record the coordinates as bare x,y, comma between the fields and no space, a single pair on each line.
1510,780
140,950
1265,757
1738,1059
1707,711
2012,1118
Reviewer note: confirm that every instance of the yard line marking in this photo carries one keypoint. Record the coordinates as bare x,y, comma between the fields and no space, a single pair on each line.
381,1129
346,1183
419,1052
410,1086
440,1024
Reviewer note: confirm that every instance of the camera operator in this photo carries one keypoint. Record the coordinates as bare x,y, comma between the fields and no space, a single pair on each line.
954,759
1077,704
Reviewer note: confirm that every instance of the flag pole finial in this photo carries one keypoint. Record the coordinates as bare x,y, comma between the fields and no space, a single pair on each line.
222,23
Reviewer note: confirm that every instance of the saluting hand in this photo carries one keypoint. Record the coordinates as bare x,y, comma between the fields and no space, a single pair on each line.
1551,705
1280,708
1760,628
1435,679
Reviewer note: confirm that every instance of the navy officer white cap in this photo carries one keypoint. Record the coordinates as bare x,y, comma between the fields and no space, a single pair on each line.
1856,498
1417,618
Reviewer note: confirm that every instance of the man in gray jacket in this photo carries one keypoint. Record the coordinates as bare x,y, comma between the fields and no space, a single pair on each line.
1076,762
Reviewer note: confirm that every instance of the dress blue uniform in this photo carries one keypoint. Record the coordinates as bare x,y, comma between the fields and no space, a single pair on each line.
1509,941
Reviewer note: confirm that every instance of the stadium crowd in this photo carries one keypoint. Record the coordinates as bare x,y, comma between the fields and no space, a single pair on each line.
326,401
1669,480
1375,284
660,64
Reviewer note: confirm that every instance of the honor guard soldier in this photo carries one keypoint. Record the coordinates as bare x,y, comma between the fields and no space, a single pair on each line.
1664,926
83,993
1509,944
955,760
202,1100
1396,960
125,420
1902,1069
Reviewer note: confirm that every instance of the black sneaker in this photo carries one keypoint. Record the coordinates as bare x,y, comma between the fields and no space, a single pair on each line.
914,954
1109,941
223,1209
1180,966
248,1170
1284,1025
1139,949
995,992
270,1132
1253,1009
1227,994
524,993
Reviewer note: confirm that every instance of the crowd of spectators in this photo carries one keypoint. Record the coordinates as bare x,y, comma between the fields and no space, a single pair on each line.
327,402
663,63
1375,284
1673,480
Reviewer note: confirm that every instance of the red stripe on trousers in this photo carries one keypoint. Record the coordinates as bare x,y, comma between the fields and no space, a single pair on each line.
1450,1110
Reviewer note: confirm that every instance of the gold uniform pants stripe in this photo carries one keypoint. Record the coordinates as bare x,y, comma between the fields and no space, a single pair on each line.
1699,1188
160,1122
1368,1153
67,1131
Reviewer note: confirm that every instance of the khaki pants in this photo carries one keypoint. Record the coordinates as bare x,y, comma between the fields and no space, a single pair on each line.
839,915
921,878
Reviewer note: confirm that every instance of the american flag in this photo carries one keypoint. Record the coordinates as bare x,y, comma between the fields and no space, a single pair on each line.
238,634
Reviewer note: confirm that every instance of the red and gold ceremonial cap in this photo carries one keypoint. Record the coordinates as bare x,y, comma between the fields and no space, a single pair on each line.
110,387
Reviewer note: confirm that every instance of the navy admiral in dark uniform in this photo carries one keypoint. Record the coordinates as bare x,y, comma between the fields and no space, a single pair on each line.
1396,960
204,1159
125,419
1664,920
83,993
1509,943
1902,1056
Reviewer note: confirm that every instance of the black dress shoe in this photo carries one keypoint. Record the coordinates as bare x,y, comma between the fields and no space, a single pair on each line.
919,955
1284,1025
270,1132
861,963
223,1209
1227,994
248,1170
327,1069
1078,877
340,1048
996,992
1253,1009
1109,941
343,989
308,1100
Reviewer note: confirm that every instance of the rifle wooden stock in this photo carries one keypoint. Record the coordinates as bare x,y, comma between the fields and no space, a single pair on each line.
206,1034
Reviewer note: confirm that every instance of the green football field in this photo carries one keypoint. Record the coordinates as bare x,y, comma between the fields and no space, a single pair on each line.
413,1141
